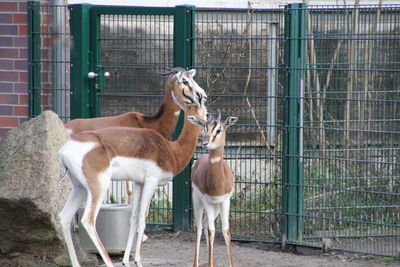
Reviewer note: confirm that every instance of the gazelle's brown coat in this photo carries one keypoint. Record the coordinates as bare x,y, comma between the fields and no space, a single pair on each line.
92,158
206,171
139,143
212,187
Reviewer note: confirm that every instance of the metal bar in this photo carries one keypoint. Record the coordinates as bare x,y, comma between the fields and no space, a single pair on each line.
126,10
292,169
183,57
301,64
58,60
80,59
34,59
273,50
348,220
96,84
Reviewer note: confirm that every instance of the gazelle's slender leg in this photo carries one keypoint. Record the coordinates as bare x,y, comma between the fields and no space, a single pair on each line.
205,229
77,196
198,216
210,213
128,190
137,193
147,193
225,229
93,203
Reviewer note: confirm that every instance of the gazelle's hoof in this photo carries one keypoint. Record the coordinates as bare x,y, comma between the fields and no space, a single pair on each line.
139,263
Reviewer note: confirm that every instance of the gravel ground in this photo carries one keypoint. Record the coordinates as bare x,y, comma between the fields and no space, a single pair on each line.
177,249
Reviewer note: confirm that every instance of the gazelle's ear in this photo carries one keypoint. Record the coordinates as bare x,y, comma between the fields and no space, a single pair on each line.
177,77
230,121
218,115
191,73
196,121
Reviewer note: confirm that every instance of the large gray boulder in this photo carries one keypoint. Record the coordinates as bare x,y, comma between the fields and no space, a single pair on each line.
31,195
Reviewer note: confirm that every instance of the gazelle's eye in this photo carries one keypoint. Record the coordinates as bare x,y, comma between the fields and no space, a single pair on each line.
218,131
186,83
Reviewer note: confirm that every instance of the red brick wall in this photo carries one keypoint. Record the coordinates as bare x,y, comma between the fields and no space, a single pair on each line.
13,64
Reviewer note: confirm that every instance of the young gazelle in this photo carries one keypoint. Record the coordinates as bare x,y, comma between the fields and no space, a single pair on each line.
180,82
212,187
141,155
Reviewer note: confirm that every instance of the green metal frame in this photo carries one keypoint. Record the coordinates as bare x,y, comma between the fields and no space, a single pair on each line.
292,167
85,58
97,84
183,57
80,61
34,58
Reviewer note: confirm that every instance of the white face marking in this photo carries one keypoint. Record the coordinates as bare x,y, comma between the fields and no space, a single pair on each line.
196,89
177,113
212,146
126,168
215,160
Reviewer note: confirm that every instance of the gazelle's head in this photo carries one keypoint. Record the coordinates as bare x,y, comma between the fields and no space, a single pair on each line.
184,87
196,113
215,130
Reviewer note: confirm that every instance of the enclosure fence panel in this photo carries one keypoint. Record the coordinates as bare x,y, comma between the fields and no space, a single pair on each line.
350,125
239,60
48,59
352,128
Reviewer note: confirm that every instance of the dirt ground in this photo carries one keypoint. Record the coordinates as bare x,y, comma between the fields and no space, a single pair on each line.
177,249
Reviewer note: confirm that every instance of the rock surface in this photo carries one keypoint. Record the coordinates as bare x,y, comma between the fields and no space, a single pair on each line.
31,195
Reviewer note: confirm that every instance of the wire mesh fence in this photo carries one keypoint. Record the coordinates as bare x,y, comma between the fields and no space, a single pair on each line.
351,128
135,50
239,57
49,59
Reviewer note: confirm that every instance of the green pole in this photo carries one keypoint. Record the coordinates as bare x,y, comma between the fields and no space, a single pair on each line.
183,57
34,59
96,84
301,86
80,60
293,169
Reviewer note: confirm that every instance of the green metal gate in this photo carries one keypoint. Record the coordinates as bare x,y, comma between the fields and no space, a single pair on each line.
118,55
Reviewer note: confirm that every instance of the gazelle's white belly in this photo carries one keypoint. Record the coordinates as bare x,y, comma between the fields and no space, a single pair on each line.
128,169
207,199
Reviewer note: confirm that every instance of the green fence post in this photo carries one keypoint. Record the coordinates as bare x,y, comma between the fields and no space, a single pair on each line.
34,59
301,86
80,60
183,57
96,84
292,167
